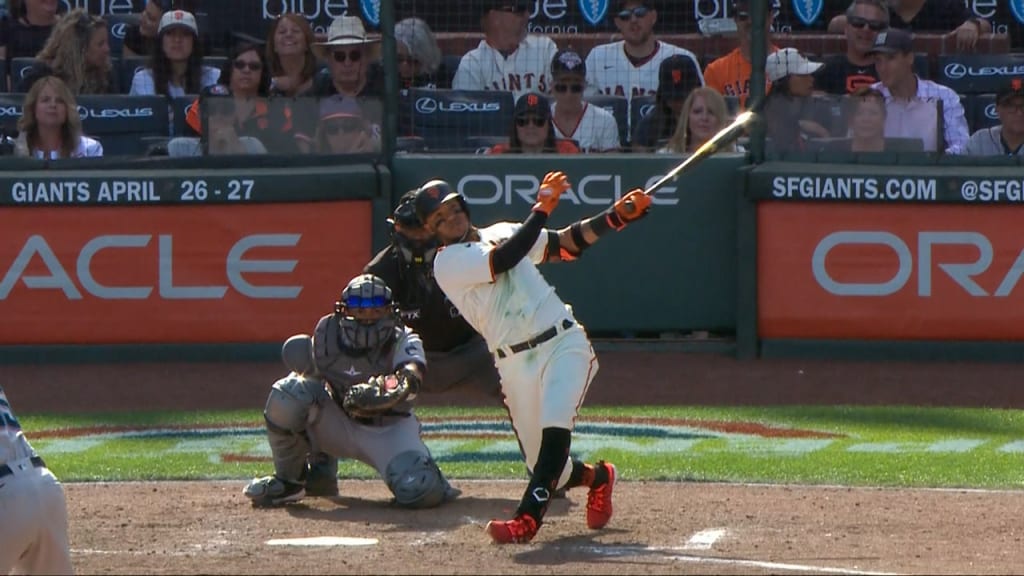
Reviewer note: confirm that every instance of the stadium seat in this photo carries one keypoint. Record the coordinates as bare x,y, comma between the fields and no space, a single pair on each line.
977,73
981,111
215,61
446,72
409,144
619,107
482,144
179,109
922,65
639,108
445,118
19,69
10,111
4,80
121,122
117,26
127,69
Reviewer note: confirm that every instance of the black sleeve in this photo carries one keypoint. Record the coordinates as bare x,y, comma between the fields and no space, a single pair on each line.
518,245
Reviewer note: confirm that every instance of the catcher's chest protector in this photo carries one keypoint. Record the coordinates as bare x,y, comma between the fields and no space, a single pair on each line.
343,369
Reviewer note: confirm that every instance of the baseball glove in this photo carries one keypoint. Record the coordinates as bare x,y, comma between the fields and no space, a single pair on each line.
377,395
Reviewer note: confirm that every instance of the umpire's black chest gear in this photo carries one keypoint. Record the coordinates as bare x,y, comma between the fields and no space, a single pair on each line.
421,302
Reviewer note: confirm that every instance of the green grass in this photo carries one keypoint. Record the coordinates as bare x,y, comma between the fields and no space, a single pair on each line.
856,446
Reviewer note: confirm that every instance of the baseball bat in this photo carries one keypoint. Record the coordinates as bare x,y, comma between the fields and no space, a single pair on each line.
723,138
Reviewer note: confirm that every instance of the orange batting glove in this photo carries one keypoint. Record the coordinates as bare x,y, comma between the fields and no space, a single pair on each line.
631,207
551,189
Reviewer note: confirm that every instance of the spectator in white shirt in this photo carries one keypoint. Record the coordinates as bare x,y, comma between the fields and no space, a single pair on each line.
1006,139
508,58
593,128
629,67
176,67
50,127
913,105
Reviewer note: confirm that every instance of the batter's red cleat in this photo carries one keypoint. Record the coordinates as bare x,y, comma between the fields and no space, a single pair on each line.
599,499
518,530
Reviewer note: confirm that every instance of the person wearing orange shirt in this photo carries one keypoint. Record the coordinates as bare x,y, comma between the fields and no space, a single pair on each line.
730,74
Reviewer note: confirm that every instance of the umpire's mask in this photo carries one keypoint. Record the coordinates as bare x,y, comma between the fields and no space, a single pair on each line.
366,313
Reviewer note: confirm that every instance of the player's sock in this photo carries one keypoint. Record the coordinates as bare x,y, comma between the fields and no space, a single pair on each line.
554,450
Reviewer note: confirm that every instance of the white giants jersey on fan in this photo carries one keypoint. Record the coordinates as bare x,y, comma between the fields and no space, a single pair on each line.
526,69
596,130
507,309
610,72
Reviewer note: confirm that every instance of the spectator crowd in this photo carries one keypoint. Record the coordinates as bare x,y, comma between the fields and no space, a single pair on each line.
294,91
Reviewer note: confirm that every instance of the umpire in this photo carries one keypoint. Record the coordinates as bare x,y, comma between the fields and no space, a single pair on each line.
457,356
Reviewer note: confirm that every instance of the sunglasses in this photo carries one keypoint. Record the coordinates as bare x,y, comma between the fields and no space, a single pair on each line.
513,8
408,60
574,88
523,122
638,12
334,127
242,65
874,25
340,56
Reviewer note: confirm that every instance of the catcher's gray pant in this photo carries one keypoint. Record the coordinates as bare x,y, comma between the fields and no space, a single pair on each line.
375,445
470,365
33,521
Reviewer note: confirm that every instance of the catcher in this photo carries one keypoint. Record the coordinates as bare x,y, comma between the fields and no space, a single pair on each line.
350,394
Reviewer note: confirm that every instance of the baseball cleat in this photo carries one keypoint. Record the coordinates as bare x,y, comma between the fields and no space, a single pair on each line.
599,499
518,530
271,491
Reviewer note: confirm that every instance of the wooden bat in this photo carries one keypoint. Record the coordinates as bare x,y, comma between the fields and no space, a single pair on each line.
723,138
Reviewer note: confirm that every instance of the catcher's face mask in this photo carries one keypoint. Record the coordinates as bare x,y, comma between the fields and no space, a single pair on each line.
366,313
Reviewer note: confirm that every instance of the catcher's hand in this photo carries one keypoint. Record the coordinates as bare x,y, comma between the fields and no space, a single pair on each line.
377,395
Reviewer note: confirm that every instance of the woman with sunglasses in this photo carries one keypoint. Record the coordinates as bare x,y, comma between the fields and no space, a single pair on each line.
532,132
290,55
245,78
592,127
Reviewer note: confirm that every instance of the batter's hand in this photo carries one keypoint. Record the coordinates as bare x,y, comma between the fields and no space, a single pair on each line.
633,206
551,189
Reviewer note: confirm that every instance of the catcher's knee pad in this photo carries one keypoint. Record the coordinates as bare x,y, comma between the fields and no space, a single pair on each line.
297,354
290,402
416,481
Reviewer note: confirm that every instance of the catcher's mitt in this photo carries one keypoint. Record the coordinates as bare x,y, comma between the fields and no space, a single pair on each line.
377,395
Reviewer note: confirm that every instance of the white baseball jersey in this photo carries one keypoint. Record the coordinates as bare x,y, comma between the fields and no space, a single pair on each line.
610,72
544,386
526,69
34,519
595,131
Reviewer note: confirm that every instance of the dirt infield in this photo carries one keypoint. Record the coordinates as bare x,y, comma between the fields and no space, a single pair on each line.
658,528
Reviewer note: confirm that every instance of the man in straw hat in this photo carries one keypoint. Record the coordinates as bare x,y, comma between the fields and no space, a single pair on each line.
352,59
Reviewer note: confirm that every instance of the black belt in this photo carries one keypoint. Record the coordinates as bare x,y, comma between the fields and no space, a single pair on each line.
36,461
536,340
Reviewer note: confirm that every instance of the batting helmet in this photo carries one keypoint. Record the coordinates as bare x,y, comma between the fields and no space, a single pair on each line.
431,195
366,291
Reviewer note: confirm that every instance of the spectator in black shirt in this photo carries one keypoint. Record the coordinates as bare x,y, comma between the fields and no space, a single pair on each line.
24,31
936,16
844,73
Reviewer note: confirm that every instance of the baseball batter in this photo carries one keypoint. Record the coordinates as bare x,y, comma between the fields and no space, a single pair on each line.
350,395
542,353
33,511
507,58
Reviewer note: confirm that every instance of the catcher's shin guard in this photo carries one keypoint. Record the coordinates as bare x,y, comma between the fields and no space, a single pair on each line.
322,475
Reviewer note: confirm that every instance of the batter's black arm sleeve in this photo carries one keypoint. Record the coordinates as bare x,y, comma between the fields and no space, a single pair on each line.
504,257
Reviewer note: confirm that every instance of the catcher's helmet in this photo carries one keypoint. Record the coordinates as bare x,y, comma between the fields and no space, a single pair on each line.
366,291
431,195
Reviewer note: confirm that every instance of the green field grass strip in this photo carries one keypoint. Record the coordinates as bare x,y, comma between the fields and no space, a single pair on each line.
842,445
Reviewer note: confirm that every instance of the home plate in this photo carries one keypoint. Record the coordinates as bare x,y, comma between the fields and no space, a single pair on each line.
323,541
